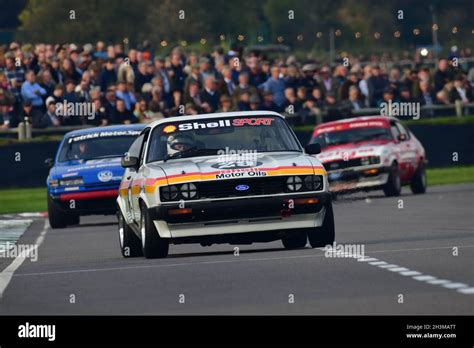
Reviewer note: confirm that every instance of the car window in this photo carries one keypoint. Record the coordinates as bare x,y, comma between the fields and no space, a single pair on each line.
395,130
403,130
143,148
134,150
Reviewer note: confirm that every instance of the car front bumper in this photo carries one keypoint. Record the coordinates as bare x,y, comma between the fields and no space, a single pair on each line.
359,178
101,202
214,217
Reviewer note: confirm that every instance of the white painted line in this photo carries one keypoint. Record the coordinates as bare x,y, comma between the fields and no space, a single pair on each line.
460,287
423,278
455,285
410,273
438,281
398,269
7,274
388,266
367,259
467,291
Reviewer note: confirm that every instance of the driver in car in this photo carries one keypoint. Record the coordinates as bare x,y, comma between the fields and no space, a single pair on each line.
179,143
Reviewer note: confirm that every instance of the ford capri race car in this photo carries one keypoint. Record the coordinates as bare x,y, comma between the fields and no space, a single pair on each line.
371,153
86,173
238,178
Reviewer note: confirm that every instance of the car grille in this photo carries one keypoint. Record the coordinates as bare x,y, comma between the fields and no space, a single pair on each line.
256,186
341,164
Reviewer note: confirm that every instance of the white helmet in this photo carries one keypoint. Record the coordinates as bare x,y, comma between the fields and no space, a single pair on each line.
174,140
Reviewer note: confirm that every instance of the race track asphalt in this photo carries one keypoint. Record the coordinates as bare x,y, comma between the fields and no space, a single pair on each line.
419,259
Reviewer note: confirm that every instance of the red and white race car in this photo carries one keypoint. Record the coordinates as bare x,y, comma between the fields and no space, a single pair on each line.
366,153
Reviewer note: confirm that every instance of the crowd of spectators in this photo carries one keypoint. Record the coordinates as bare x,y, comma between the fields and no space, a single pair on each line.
134,85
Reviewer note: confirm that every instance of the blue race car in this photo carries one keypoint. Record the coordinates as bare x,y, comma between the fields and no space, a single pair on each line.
86,173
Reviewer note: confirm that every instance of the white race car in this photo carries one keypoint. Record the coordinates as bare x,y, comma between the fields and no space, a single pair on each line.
238,178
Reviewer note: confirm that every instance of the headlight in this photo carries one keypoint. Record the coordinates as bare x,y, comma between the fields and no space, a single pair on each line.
188,191
71,182
294,183
53,183
169,193
365,161
313,182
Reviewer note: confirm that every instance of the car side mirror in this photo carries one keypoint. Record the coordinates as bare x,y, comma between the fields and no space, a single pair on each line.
312,149
48,162
402,137
129,161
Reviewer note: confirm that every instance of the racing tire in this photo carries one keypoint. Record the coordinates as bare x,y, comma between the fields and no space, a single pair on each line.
297,240
153,245
393,187
58,218
418,182
130,244
325,234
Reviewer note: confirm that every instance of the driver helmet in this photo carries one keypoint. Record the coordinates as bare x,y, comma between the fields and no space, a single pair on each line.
178,143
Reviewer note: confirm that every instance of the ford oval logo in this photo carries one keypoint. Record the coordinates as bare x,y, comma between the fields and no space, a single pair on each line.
242,187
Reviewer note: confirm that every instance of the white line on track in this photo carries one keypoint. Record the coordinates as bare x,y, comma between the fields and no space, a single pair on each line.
7,274
429,279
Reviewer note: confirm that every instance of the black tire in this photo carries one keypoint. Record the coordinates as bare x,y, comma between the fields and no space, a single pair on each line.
58,218
325,234
393,187
419,182
297,240
130,244
152,244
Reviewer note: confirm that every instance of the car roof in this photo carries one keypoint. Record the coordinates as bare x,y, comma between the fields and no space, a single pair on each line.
113,128
214,115
356,119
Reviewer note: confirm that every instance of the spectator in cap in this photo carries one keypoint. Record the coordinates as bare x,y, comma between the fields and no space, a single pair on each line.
254,103
226,84
34,116
50,118
225,104
267,103
327,83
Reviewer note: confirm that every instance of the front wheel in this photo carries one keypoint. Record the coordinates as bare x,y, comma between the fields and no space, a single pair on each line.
393,187
58,218
153,245
325,234
130,244
418,182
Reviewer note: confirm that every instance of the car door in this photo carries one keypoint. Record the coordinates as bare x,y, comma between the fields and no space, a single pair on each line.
138,180
398,149
131,174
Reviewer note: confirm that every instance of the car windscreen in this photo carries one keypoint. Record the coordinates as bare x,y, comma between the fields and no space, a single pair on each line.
212,136
348,136
95,146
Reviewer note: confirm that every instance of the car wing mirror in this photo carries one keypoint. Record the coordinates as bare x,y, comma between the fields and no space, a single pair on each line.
402,137
129,161
312,149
